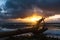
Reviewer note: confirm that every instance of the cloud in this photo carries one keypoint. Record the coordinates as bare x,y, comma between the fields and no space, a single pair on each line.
53,19
20,8
49,3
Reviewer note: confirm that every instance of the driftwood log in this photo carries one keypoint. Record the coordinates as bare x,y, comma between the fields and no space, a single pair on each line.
22,31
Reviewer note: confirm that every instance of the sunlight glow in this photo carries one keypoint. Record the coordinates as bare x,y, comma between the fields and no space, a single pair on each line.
32,18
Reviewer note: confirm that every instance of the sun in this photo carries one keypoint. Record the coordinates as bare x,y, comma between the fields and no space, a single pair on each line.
35,18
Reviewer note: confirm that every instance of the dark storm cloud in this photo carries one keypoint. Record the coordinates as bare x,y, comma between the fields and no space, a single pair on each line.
17,8
49,3
50,7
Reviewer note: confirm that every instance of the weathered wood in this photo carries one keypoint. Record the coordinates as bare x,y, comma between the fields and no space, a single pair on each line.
22,31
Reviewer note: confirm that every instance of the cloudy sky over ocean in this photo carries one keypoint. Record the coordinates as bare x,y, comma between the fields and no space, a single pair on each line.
22,8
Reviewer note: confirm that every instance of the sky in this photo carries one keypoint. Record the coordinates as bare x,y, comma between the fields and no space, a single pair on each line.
22,8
